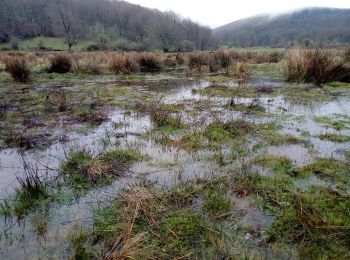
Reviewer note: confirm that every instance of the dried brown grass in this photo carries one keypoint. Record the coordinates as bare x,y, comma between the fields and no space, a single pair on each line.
122,64
316,66
18,68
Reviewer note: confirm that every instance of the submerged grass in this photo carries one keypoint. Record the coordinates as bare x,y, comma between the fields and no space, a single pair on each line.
338,123
83,170
279,164
32,192
329,169
145,223
335,137
317,221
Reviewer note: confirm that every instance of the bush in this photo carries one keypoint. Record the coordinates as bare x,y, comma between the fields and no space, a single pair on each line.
60,64
314,66
121,64
18,69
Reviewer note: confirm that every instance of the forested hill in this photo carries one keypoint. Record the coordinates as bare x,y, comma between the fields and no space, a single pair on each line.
317,26
107,23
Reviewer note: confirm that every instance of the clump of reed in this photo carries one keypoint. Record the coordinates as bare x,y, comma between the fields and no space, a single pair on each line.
347,55
241,72
122,64
219,60
149,62
61,63
18,68
86,63
197,62
316,66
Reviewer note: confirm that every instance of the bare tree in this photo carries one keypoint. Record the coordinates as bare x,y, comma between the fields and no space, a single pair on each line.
120,22
69,23
166,31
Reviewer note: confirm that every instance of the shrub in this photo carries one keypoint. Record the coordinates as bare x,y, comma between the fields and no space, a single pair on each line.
18,69
60,64
149,62
314,66
121,64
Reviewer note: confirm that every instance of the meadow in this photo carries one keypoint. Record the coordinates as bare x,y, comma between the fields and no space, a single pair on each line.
232,154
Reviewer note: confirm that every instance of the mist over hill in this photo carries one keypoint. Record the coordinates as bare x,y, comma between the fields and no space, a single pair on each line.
317,26
108,24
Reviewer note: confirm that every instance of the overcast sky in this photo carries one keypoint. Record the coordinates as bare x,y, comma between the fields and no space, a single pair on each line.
219,12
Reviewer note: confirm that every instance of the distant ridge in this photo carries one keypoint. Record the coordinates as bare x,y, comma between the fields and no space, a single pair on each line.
317,26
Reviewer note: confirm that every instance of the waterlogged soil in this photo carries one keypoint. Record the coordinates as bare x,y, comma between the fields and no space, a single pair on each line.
43,232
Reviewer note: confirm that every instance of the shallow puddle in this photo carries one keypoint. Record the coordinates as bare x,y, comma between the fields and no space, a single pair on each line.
43,234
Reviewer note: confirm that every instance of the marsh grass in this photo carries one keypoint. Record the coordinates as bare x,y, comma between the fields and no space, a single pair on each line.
316,221
327,169
18,68
219,134
77,239
32,192
197,62
146,223
163,116
83,170
252,108
316,66
337,138
91,116
149,62
338,123
122,64
279,164
60,63
25,139
241,72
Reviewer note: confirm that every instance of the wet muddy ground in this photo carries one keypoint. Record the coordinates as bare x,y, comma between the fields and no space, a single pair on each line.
42,123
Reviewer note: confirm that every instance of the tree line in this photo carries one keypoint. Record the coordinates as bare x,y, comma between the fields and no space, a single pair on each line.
104,22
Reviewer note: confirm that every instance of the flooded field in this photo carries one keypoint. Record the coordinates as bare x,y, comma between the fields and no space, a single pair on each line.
263,166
